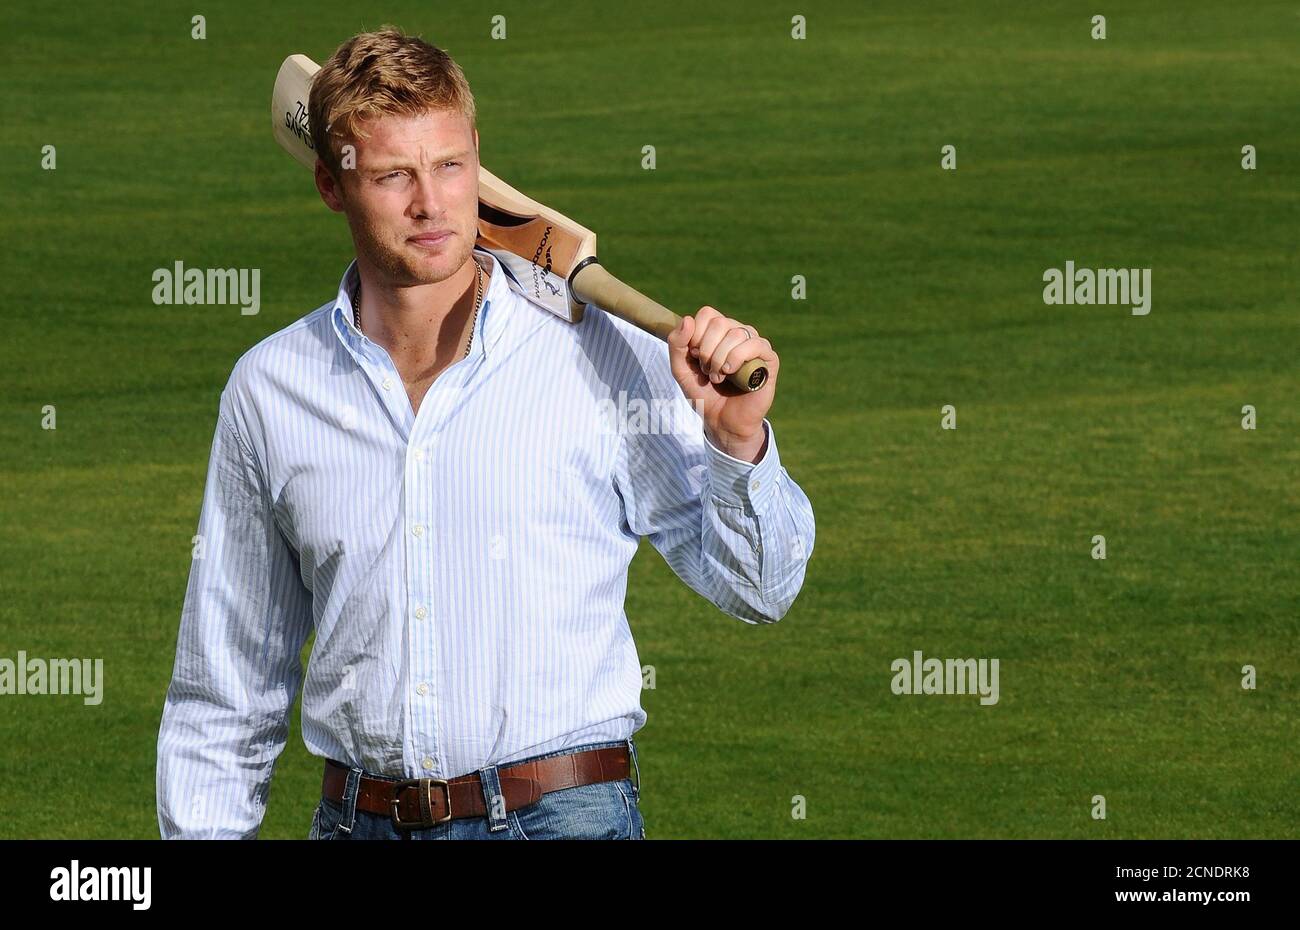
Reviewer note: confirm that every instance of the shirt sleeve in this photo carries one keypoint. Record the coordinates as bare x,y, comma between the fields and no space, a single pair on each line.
739,534
237,670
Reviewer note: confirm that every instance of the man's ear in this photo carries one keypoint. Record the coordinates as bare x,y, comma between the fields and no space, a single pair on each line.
330,189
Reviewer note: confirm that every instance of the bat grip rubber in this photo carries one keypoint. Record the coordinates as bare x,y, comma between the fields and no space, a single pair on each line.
591,283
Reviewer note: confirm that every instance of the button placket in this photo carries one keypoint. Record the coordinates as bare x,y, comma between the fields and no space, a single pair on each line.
417,567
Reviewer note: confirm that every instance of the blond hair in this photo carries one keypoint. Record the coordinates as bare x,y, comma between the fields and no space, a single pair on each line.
377,74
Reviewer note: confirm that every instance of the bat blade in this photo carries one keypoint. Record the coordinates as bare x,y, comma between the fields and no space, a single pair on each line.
551,243
289,108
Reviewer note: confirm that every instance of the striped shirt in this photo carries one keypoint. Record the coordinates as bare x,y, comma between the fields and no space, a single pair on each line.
464,569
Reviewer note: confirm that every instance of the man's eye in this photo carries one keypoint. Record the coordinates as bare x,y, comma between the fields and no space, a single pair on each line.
446,163
390,175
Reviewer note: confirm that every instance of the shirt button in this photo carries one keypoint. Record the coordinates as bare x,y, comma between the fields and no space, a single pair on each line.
419,455
418,529
428,764
754,486
421,613
388,384
422,688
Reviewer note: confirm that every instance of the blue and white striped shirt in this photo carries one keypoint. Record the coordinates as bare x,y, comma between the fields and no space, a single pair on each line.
464,569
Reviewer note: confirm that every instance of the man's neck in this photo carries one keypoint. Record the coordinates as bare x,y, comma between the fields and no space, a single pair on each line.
422,328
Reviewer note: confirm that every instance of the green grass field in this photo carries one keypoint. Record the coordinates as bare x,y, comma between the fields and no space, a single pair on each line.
776,157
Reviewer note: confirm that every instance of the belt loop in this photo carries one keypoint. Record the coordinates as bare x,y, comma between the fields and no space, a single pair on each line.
493,799
348,819
636,785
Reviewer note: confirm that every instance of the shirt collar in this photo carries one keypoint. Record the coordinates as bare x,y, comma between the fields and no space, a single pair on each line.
487,329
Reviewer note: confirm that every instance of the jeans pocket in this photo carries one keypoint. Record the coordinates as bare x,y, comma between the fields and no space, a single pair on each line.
516,829
314,832
325,823
635,824
598,811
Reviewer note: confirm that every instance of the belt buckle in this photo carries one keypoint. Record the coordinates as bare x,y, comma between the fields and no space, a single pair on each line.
426,803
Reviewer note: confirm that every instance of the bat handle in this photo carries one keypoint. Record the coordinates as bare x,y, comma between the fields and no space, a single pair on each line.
590,283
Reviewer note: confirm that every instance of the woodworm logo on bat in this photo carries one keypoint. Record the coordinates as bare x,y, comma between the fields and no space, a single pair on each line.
296,122
540,272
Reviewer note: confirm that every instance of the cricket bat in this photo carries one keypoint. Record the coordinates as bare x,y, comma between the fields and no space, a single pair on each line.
550,242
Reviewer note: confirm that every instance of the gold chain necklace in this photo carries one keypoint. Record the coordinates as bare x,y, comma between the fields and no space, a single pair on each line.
478,301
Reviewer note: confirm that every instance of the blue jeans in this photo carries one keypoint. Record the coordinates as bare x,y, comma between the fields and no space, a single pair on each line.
607,810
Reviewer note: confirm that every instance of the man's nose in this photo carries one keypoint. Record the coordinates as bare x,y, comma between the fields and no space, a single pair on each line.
425,202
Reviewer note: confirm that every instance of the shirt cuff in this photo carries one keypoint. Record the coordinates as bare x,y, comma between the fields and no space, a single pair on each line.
738,483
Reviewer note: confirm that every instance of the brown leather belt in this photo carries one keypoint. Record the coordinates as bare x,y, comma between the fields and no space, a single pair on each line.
416,803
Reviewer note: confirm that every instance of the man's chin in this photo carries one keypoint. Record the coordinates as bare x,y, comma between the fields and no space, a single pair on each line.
430,266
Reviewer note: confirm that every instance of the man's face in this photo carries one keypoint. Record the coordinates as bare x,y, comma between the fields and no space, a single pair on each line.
415,177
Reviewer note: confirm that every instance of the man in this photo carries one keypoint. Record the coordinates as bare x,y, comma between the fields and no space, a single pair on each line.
420,471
